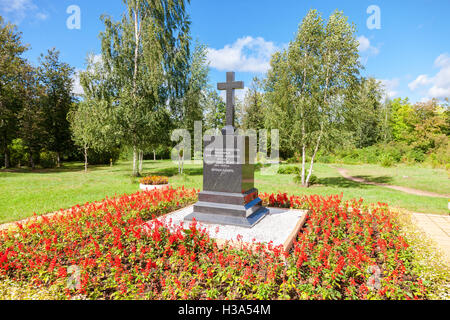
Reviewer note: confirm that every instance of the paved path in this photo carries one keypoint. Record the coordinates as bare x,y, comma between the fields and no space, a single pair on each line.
345,174
437,227
12,225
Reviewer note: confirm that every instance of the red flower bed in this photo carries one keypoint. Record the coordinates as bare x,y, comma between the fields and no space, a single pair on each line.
105,250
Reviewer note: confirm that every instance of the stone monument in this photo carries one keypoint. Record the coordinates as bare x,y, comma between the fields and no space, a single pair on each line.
229,196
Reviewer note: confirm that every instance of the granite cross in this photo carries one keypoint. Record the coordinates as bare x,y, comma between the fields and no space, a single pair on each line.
229,87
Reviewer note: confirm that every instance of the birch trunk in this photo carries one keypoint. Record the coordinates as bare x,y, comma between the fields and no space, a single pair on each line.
58,160
314,155
136,54
85,159
303,152
135,155
141,160
303,126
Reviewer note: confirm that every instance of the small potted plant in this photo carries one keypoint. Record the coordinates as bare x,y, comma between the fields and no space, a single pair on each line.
153,182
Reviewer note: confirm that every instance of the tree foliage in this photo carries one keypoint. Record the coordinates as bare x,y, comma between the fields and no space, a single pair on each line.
308,81
146,57
56,78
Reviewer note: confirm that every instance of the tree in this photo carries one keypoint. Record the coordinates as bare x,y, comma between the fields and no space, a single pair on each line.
90,123
11,63
56,77
254,108
215,111
401,125
194,100
368,113
32,116
93,121
307,82
146,57
428,120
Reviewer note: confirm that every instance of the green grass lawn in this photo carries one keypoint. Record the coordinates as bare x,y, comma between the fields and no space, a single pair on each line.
433,180
23,192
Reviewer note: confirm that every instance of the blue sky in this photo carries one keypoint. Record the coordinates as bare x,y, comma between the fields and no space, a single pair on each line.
410,52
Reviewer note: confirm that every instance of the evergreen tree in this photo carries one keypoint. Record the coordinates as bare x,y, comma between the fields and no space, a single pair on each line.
56,77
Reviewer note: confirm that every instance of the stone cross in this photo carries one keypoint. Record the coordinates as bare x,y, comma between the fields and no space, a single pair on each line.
229,87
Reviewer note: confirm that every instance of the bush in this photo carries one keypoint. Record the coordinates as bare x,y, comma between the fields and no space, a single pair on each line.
415,155
295,159
312,179
48,159
103,157
18,155
288,170
326,159
387,161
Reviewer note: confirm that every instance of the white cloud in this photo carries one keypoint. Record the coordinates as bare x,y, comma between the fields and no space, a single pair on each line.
366,47
246,54
41,16
437,86
420,81
18,10
390,85
16,5
77,88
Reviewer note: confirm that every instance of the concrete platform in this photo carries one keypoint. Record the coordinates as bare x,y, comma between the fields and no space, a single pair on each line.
280,226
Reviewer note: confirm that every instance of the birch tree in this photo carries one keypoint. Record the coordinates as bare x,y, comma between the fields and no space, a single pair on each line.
145,53
306,83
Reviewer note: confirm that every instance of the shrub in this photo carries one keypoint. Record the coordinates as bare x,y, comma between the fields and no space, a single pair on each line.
415,155
312,179
387,161
48,159
294,159
18,154
154,180
288,170
351,159
326,159
105,157
258,166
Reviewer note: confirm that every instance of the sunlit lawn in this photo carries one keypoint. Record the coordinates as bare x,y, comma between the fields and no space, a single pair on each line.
23,192
422,178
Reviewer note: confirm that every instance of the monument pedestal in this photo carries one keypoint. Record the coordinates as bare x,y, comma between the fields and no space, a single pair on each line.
229,196
228,208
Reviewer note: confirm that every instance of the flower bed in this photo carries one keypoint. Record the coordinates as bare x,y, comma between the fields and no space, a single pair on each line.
154,180
105,250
